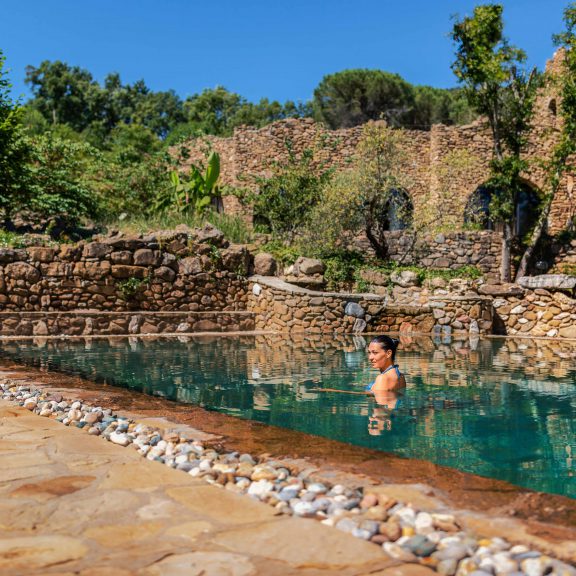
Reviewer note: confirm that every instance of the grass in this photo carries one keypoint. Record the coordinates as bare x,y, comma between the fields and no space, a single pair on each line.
234,228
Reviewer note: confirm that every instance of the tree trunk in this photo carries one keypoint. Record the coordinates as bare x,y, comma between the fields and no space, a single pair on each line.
505,275
534,238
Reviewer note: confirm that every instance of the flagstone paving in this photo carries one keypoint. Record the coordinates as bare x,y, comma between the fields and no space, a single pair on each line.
73,504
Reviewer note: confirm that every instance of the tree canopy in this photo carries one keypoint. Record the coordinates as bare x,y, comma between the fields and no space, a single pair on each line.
353,97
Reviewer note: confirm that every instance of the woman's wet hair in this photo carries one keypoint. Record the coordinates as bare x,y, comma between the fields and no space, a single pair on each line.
387,343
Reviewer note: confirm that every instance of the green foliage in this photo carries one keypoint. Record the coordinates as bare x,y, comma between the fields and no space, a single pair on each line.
285,199
353,97
130,288
360,199
498,85
195,194
233,227
58,183
14,150
283,253
341,268
11,239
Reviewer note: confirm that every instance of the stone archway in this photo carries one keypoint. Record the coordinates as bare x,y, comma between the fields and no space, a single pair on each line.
526,210
398,211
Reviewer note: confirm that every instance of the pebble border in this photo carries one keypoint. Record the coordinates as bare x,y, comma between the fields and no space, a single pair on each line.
435,540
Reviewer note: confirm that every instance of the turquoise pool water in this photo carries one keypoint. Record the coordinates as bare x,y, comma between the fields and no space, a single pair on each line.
501,408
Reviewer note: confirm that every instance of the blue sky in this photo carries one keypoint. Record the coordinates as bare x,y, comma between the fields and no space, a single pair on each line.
280,50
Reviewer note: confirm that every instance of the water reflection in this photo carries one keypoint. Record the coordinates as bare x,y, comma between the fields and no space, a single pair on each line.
498,407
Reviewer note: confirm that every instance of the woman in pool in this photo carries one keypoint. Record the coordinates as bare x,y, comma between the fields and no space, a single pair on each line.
381,354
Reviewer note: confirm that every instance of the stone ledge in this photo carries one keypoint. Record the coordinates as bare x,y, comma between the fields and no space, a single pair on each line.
273,282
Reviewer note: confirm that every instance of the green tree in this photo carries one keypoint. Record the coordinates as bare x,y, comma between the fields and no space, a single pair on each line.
64,94
559,162
354,97
285,199
58,179
360,199
499,87
14,150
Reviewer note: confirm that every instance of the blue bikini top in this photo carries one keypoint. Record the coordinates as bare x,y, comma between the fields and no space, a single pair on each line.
393,367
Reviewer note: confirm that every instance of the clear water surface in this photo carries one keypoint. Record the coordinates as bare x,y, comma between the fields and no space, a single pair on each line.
500,408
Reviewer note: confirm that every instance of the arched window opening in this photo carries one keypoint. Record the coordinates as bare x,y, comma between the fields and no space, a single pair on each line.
477,211
552,107
398,211
526,210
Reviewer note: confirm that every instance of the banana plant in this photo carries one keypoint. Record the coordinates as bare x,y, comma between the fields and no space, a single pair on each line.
200,191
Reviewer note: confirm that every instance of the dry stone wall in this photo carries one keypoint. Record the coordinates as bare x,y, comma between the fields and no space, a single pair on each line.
445,250
173,271
443,167
287,308
94,323
537,312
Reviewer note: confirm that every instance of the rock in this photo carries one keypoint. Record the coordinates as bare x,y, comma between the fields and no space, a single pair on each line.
308,266
568,331
548,282
41,254
209,234
119,438
398,553
134,325
265,264
369,501
438,282
23,271
420,545
124,272
263,472
375,277
391,529
518,309
447,567
144,257
96,250
501,290
354,309
190,265
406,278
40,329
236,259
260,488
165,273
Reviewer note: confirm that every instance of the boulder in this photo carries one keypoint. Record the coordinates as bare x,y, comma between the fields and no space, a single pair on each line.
23,271
96,250
501,290
438,282
406,278
311,282
308,266
165,273
41,254
548,282
190,265
236,259
209,234
265,264
354,309
375,277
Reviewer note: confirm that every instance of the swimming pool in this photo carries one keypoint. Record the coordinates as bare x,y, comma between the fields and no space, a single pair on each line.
501,408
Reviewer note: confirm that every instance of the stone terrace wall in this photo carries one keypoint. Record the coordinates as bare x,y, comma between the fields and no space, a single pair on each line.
536,313
250,152
284,307
450,250
177,272
94,323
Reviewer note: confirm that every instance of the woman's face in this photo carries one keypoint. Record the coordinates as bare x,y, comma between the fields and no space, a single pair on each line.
378,357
